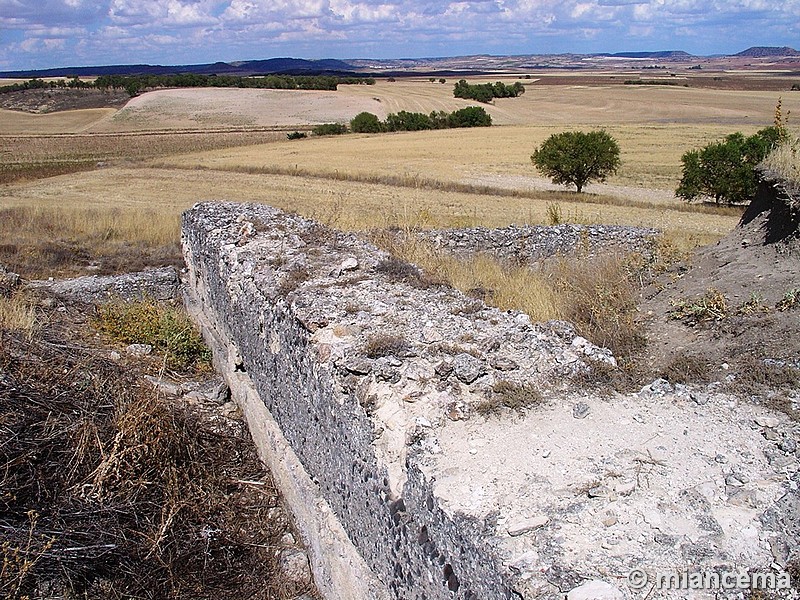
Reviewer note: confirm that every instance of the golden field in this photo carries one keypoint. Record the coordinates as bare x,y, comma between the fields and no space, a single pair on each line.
181,149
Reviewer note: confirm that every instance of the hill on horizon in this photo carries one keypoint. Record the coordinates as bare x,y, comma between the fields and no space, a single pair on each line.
763,51
301,66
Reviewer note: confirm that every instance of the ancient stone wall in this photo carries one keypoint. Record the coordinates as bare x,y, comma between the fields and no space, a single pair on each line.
355,367
384,404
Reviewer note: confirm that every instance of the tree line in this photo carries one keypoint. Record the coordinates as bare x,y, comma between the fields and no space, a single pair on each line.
366,122
135,84
41,84
486,92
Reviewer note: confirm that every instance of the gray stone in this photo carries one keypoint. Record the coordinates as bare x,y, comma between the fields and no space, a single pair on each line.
139,349
156,284
766,421
526,525
788,445
595,590
503,363
467,368
9,281
294,566
165,386
580,410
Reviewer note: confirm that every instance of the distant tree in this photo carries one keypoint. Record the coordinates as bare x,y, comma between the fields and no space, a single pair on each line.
365,122
407,121
442,80
296,135
330,129
575,157
726,170
471,116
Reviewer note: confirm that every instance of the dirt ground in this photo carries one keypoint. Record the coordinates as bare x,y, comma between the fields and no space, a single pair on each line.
731,315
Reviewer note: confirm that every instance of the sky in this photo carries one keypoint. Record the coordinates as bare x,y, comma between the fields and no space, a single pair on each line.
58,33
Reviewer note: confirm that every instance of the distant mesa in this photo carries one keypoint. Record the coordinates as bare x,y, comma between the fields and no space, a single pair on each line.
677,54
765,51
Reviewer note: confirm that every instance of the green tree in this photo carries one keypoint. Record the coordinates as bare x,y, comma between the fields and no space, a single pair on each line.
365,122
471,116
575,157
408,121
726,170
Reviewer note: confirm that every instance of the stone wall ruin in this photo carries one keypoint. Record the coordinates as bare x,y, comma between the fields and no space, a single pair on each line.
363,387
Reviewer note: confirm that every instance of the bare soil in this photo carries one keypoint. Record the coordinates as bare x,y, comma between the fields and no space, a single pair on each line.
749,337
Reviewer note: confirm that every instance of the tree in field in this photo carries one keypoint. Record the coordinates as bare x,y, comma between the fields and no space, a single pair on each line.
365,122
575,157
726,170
471,116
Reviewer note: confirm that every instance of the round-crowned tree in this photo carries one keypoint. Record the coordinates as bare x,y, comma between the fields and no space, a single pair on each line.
365,122
575,157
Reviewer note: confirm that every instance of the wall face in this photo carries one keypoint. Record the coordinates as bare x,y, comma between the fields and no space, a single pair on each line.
295,361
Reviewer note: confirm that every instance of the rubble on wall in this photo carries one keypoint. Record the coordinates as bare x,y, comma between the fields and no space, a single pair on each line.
530,243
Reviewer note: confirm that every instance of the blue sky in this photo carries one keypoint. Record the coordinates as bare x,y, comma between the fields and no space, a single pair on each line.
52,33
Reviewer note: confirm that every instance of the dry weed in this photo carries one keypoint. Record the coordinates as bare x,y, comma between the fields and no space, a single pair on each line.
17,313
107,491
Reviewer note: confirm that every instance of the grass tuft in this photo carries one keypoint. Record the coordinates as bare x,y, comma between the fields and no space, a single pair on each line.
17,314
165,327
513,396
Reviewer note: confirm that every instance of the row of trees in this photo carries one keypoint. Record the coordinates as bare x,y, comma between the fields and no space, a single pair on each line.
471,116
486,92
135,84
41,84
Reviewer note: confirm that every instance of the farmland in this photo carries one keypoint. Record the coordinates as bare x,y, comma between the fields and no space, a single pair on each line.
144,164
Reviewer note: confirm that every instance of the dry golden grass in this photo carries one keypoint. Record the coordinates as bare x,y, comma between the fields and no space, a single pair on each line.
72,121
651,154
37,156
483,277
149,202
785,160
17,314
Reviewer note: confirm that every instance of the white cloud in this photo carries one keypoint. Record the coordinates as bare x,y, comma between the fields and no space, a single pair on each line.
161,13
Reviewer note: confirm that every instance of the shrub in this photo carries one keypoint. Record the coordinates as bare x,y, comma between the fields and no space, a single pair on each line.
330,129
296,135
385,345
725,171
365,122
506,394
486,92
575,157
165,327
711,306
407,121
471,116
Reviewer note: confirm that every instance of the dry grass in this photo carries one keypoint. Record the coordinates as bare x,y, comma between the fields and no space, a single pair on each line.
651,153
785,160
47,240
599,295
27,157
17,313
109,492
482,277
